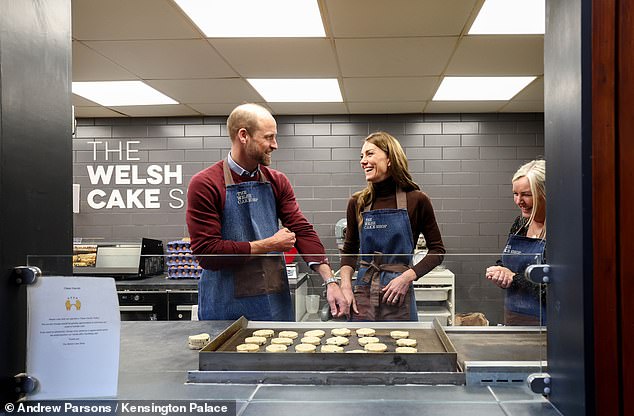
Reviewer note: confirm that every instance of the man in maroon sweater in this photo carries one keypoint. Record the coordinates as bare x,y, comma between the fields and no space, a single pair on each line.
233,208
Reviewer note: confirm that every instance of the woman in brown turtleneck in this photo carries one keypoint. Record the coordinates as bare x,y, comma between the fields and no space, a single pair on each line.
384,222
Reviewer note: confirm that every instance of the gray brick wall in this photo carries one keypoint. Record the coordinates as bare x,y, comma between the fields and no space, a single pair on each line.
463,161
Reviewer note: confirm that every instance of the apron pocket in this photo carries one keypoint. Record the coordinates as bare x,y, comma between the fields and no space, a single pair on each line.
392,312
364,305
259,276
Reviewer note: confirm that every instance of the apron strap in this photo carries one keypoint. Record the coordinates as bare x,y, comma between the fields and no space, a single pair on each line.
229,178
227,172
401,201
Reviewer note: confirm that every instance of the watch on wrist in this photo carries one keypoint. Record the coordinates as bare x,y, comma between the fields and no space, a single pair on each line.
331,280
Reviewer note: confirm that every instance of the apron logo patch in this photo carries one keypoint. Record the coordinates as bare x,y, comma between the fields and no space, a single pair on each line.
244,197
370,224
508,250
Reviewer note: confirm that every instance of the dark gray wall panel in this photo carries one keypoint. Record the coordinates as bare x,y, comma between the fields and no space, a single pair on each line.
568,151
35,154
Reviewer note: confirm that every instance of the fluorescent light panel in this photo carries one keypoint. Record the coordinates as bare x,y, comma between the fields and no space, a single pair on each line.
480,88
499,17
120,93
322,90
255,18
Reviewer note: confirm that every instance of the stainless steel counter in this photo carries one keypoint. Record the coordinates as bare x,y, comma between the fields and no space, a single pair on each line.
155,360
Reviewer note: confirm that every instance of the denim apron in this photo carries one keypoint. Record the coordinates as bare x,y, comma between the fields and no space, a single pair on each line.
384,231
254,287
518,254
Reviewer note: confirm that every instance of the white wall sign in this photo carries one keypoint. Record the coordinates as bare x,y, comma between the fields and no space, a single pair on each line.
138,184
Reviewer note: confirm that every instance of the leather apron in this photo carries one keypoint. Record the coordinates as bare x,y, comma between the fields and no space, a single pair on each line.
384,231
255,287
521,305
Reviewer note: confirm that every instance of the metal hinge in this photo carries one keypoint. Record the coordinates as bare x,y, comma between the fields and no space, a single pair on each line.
25,275
538,273
25,384
539,383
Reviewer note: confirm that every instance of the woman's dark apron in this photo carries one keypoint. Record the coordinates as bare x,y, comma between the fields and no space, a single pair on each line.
521,305
384,231
254,287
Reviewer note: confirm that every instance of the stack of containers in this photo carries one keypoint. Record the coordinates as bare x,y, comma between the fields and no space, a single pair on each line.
181,264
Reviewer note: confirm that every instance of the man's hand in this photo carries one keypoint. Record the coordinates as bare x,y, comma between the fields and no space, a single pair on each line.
349,295
281,241
339,305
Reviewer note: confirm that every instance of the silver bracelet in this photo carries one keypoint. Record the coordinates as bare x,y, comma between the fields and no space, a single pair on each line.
331,280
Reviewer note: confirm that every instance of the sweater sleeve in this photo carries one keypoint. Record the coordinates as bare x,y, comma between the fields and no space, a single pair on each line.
427,225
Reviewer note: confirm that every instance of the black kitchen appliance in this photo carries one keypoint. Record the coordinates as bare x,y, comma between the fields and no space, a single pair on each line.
125,261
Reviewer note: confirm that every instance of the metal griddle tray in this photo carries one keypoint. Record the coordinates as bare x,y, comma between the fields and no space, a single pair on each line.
436,352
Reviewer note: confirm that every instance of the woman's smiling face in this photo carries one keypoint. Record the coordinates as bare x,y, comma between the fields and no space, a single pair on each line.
522,196
374,163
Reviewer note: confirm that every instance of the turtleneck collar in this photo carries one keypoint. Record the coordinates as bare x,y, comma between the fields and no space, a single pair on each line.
385,188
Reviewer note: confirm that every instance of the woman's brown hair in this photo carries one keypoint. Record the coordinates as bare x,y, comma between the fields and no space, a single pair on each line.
398,169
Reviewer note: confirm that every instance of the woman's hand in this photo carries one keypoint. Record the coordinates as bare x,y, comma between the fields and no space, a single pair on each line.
500,276
395,291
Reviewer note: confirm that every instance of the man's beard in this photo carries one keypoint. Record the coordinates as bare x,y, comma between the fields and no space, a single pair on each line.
261,157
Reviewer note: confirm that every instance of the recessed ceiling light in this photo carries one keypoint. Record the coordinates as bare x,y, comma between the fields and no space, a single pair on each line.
498,17
480,88
120,93
324,90
255,18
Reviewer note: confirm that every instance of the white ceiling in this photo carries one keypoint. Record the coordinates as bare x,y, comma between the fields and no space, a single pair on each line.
389,57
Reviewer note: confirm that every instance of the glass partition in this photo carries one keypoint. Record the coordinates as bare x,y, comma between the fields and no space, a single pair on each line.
461,291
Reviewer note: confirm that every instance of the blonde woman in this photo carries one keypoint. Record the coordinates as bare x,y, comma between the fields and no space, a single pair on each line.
384,222
524,302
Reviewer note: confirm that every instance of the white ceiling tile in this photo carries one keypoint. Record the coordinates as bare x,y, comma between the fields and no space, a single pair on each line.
498,55
88,65
533,92
390,89
464,106
81,112
394,56
536,106
217,109
308,108
387,108
157,110
374,18
229,90
279,57
130,19
79,101
165,59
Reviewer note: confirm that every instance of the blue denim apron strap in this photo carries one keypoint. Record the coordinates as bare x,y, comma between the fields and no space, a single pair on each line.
401,201
257,288
519,252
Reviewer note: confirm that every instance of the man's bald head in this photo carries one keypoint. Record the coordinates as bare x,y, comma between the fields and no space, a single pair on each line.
246,116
